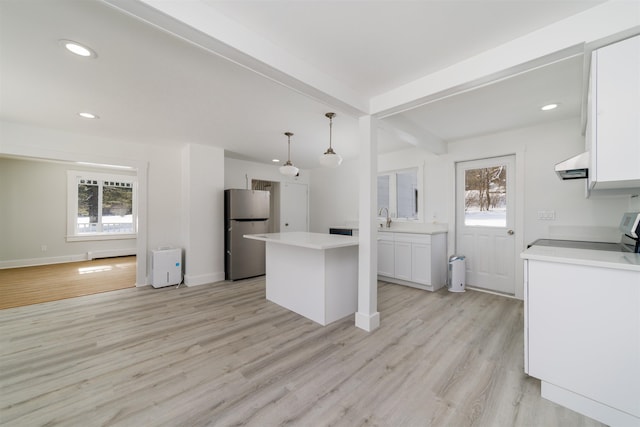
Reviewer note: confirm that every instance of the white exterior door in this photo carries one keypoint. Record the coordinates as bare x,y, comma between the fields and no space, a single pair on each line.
294,207
485,220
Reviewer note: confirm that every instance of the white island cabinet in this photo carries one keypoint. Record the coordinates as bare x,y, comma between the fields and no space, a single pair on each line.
312,274
582,330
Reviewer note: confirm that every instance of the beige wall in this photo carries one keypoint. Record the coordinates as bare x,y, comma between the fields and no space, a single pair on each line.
33,214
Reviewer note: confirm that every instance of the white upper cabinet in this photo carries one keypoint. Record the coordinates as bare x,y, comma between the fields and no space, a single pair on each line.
613,131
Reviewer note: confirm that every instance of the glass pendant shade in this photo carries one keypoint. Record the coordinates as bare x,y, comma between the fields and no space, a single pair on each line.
288,169
330,159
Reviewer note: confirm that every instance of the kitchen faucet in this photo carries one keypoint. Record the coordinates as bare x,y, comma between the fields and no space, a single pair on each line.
388,216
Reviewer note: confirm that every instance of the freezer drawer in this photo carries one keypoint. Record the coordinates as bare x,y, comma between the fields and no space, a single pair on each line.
244,257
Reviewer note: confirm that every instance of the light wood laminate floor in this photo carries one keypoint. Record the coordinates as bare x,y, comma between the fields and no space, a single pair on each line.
222,355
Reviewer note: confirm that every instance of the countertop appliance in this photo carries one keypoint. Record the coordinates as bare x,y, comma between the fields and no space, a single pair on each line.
245,212
629,241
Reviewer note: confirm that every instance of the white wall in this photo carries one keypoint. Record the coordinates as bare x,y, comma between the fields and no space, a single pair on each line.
203,213
159,175
434,209
540,148
237,173
240,173
33,215
333,197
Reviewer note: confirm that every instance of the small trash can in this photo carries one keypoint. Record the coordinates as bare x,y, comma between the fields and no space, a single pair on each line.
456,273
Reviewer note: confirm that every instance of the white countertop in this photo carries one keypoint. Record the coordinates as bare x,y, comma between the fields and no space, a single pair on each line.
431,230
302,239
401,228
606,259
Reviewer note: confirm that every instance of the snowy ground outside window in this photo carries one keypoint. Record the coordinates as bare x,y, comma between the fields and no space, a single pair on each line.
496,217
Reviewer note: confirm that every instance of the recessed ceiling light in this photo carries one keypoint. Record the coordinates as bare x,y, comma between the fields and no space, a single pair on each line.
275,160
549,107
78,49
88,115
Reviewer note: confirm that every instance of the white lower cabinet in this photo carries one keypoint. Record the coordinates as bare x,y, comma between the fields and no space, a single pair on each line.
582,338
385,258
402,257
417,260
420,270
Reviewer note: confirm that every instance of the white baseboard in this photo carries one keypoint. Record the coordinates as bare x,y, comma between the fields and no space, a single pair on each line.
32,262
108,253
585,406
203,279
368,322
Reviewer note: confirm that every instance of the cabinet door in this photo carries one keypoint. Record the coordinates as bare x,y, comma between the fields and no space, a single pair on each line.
421,263
617,145
385,258
403,260
584,331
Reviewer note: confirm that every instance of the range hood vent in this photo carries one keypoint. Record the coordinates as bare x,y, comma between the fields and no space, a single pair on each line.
577,167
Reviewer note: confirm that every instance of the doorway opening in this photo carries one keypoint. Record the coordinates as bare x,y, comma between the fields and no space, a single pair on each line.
273,188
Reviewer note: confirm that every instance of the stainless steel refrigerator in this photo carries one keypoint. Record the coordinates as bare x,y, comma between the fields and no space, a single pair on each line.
245,212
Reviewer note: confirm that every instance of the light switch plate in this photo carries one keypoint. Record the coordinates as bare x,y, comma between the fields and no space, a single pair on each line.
547,215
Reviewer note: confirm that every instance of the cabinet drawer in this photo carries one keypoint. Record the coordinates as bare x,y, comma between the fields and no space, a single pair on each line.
412,238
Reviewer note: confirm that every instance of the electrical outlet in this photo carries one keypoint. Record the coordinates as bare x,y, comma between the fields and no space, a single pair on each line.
43,248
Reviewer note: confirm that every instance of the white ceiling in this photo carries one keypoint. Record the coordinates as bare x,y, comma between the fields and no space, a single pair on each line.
376,46
149,86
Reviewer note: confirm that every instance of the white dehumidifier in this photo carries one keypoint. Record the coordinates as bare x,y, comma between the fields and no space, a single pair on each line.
166,267
456,273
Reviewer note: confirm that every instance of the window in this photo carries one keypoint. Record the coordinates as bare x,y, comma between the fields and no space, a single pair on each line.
485,200
101,206
398,193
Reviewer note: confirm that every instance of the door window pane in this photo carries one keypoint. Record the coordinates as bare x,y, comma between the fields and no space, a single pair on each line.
485,201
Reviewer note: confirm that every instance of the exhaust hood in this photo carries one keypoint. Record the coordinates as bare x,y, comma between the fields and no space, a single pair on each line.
577,167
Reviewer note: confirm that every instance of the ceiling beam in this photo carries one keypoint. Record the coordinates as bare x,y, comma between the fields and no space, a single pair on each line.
406,130
200,24
555,42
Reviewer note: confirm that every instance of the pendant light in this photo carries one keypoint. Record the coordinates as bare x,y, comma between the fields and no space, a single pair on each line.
288,168
330,159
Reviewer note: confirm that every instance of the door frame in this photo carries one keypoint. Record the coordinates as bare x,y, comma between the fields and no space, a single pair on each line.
479,154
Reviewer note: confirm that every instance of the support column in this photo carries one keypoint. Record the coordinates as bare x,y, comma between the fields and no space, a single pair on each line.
367,316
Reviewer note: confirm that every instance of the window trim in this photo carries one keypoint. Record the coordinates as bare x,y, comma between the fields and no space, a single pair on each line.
72,205
393,200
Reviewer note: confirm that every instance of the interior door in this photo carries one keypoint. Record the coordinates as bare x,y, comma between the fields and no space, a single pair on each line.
294,207
485,219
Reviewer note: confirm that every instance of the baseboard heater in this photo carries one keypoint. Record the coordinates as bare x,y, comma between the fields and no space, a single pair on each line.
110,253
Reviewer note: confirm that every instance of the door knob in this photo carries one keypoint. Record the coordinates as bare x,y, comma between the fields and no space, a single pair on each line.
510,232
286,224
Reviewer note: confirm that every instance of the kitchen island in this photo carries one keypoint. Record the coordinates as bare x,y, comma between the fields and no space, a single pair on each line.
582,330
312,274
